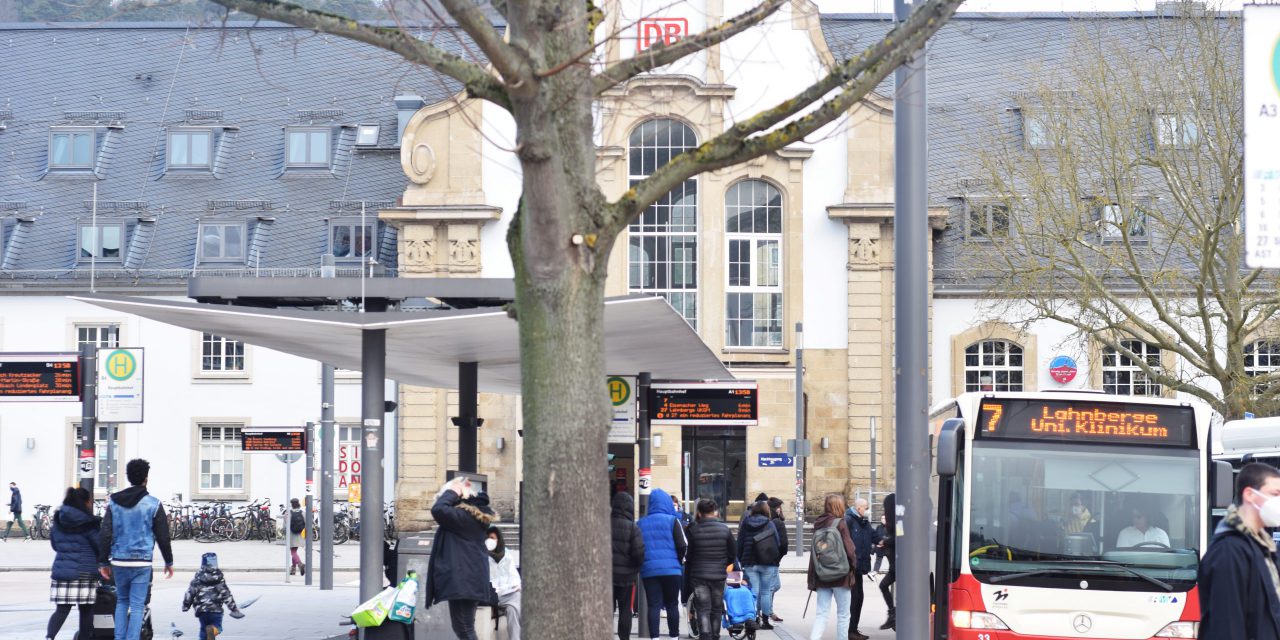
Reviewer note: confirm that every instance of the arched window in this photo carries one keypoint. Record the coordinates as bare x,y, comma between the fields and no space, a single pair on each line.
663,242
1122,376
993,365
1260,358
753,232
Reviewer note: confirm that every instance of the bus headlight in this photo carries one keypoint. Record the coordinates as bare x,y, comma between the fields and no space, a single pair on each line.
1179,630
981,620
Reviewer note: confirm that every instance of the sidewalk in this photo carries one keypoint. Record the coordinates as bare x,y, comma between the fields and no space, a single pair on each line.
250,555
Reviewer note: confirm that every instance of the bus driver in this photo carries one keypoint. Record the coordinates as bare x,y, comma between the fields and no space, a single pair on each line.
1141,531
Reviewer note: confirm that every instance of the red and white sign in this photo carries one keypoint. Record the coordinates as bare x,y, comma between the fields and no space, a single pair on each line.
348,465
652,31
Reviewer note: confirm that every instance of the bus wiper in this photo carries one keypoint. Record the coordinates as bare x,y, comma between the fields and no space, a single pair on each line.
1159,583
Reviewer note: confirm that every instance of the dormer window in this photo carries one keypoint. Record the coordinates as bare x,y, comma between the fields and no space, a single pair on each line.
190,149
307,147
71,148
351,239
103,241
367,135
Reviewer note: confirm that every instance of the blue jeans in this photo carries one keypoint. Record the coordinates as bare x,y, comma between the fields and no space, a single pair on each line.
207,619
763,579
132,585
825,596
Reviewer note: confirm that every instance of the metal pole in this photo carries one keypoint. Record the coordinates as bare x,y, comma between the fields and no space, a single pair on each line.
799,545
326,478
468,422
112,434
642,481
284,514
911,339
872,498
373,410
306,507
88,414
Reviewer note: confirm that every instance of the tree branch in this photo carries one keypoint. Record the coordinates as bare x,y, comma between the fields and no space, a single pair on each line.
478,81
665,54
513,67
859,75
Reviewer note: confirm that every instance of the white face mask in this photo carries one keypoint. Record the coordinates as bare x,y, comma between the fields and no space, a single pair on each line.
1270,509
490,543
1077,509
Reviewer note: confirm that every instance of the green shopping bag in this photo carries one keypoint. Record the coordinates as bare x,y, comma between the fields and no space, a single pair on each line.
406,599
374,611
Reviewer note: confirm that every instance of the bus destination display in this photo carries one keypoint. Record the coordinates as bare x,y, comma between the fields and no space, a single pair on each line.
40,376
704,403
273,440
1084,421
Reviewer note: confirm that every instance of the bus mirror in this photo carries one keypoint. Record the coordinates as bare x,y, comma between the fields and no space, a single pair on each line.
950,439
1223,484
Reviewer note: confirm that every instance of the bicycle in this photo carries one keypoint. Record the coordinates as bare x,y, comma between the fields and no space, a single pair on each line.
41,525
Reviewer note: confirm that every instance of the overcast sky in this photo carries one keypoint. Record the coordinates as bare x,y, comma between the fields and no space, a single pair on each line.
856,6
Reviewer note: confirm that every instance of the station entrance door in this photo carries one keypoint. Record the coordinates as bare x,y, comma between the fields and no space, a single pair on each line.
719,466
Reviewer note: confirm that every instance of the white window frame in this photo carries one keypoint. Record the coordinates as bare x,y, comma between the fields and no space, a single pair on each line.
222,235
367,134
371,235
114,331
1259,349
1037,130
675,241
764,282
100,457
1174,130
306,161
1112,223
987,209
189,134
96,231
228,446
200,374
994,357
72,133
1120,366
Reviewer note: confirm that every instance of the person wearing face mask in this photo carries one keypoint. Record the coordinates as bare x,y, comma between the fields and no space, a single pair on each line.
1080,518
504,575
1238,582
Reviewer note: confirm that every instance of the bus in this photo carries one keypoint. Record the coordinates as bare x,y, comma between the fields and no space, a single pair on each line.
1070,515
1250,440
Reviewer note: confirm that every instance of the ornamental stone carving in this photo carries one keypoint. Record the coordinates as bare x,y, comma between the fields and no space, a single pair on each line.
418,249
864,250
464,248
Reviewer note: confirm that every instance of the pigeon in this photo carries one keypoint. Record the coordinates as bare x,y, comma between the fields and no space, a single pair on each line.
174,631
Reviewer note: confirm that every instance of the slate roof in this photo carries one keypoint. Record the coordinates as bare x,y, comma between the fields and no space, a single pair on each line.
977,65
128,82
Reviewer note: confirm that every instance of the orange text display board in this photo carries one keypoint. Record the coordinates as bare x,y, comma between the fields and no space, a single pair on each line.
704,403
39,376
273,440
1086,422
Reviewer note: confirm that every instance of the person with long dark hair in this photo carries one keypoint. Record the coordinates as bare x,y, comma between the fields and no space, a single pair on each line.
76,540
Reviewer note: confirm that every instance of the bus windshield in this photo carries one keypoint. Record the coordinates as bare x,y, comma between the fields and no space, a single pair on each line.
1121,516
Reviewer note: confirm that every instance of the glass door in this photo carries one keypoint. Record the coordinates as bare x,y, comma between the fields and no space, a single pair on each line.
719,467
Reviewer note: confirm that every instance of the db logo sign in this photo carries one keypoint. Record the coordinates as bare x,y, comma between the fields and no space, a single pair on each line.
651,31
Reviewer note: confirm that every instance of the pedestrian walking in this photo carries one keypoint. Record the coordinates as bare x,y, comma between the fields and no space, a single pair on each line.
760,549
459,569
780,522
662,571
208,593
680,514
75,538
628,555
504,577
15,508
890,539
297,534
831,567
1238,578
133,525
712,550
879,550
864,538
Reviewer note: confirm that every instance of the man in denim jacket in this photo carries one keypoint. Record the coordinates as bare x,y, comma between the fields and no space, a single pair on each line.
133,524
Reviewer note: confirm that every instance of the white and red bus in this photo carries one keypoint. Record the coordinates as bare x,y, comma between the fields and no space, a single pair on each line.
1071,515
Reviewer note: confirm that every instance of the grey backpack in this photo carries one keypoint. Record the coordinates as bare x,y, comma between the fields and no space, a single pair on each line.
830,562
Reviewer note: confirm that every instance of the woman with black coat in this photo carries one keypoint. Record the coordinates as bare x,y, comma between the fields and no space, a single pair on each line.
459,568
76,541
628,555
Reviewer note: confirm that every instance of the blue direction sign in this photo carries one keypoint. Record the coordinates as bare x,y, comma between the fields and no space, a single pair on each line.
776,460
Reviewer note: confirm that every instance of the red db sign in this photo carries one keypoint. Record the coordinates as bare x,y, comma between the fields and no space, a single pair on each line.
651,31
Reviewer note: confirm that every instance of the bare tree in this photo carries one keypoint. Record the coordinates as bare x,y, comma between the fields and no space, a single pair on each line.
565,227
1116,203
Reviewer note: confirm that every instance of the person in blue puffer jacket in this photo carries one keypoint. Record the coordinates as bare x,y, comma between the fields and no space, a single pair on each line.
76,540
662,571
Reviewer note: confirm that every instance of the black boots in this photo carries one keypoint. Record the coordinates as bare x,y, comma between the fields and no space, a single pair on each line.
889,624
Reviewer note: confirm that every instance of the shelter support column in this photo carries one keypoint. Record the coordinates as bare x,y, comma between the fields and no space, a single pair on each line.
372,412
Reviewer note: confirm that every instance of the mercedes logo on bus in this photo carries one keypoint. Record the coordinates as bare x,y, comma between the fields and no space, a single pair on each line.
1082,623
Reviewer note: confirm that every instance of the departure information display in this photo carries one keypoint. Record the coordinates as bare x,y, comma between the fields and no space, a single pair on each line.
704,403
40,376
273,439
1086,422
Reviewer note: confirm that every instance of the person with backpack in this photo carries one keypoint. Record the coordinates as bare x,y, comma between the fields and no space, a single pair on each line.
76,540
711,551
780,522
864,537
297,532
760,545
890,540
628,555
831,567
663,568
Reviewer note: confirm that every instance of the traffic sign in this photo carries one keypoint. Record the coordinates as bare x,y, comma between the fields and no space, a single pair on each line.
622,427
120,385
776,460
